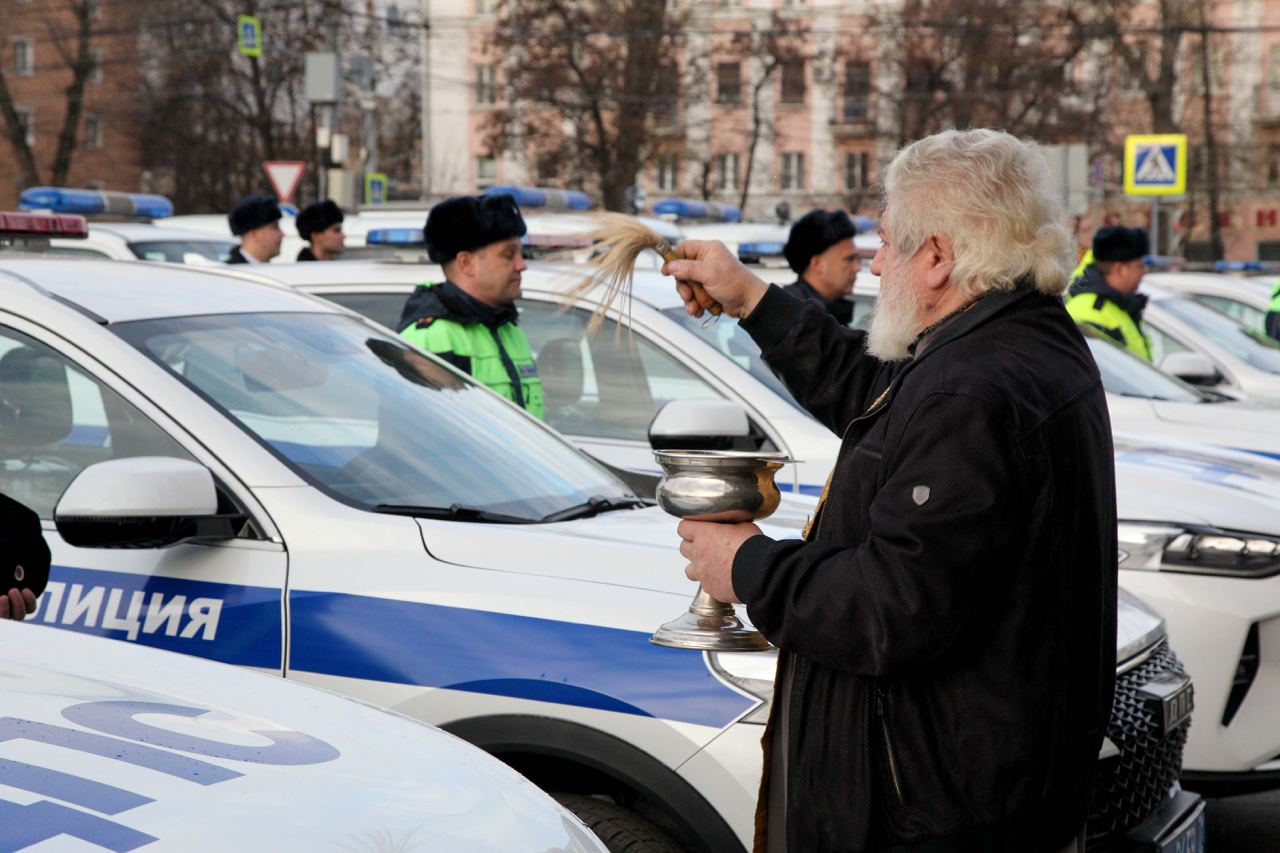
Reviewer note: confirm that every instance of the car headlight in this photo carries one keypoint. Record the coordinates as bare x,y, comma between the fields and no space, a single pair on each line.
1198,549
752,673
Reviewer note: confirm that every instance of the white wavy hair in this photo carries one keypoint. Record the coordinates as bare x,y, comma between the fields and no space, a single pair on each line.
989,192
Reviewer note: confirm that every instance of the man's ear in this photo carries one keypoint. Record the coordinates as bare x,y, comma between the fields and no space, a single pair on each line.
465,263
940,256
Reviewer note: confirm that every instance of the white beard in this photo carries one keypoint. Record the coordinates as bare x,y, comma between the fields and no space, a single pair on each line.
896,320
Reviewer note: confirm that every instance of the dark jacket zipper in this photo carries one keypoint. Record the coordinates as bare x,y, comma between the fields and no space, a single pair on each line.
889,752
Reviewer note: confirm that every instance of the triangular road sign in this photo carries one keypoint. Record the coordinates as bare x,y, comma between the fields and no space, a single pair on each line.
285,176
1155,169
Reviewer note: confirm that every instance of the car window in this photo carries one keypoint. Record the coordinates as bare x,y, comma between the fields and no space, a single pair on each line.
863,307
381,308
1162,344
1248,345
56,420
1241,312
370,420
733,342
606,385
182,251
1130,376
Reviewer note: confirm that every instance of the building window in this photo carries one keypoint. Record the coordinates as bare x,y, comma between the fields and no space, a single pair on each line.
667,173
24,57
1269,250
855,170
792,171
1273,165
729,83
793,82
93,134
726,172
666,103
95,10
95,65
486,171
857,91
27,121
486,84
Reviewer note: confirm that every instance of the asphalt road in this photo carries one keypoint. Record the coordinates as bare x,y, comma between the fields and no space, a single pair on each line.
1248,824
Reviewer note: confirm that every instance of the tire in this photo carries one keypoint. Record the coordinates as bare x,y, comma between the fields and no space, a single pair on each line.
621,830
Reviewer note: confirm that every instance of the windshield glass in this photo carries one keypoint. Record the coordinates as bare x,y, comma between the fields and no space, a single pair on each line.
732,340
369,420
1248,345
182,251
1130,376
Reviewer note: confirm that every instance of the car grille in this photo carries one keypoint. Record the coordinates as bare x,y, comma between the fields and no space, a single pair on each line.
1129,788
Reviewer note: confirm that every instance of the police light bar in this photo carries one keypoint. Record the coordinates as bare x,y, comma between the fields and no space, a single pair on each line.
42,225
540,197
1164,262
760,249
864,224
91,202
395,237
689,209
1246,266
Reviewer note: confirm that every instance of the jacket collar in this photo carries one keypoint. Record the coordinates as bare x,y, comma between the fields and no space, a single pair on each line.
447,301
841,309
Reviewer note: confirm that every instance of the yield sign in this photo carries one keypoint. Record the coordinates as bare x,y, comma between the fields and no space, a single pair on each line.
284,176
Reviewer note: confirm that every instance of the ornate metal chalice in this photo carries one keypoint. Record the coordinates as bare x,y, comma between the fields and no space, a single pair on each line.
716,485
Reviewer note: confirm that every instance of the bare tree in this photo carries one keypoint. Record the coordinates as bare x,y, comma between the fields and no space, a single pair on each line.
74,48
582,80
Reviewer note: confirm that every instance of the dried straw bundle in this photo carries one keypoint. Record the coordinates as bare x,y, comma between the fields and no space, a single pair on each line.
617,243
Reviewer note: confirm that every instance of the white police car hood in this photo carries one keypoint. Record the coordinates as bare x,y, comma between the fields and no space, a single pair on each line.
1169,481
121,747
1240,425
637,547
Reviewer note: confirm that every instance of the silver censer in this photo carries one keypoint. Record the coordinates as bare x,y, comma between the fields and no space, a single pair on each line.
716,485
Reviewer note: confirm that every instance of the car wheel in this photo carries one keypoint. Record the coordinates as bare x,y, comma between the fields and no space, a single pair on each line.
621,830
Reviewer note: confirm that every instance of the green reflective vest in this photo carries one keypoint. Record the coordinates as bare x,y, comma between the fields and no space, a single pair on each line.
1275,299
1108,316
485,347
1078,272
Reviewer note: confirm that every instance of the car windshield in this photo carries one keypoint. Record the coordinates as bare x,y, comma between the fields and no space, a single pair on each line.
733,341
182,251
371,421
1129,376
1248,345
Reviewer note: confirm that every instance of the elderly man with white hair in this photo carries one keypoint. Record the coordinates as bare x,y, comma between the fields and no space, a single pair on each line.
947,625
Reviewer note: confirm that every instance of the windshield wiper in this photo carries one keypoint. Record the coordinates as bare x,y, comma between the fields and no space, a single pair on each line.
455,512
595,506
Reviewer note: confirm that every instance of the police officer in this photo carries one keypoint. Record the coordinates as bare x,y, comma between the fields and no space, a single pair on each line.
24,559
1273,314
256,221
820,251
1106,296
469,319
320,224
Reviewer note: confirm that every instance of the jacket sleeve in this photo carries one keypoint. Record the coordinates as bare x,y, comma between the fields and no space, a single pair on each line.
940,526
439,345
1273,325
796,338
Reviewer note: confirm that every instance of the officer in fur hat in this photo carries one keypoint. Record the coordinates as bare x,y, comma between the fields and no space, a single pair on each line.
1106,295
469,319
256,221
320,224
820,251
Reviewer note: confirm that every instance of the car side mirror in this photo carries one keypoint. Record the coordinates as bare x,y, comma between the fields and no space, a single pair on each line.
142,502
701,425
1192,367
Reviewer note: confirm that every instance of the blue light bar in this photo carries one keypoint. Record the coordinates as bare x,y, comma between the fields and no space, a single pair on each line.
395,237
760,249
1164,262
90,202
1245,266
864,223
690,209
540,197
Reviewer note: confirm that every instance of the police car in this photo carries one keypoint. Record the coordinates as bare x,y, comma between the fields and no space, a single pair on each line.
1206,346
108,746
1242,298
241,472
605,391
128,231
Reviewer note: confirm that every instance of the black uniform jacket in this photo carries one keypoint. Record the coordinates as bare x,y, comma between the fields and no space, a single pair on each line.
951,621
841,309
237,257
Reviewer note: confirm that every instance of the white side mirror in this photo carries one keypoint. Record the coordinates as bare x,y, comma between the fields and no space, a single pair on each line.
699,425
1193,367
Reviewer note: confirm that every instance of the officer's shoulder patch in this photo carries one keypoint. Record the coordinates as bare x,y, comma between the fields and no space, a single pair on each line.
423,322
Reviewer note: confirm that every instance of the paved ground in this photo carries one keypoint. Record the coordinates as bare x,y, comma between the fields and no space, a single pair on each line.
1249,824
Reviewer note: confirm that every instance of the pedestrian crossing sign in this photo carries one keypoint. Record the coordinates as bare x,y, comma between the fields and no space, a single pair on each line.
1155,164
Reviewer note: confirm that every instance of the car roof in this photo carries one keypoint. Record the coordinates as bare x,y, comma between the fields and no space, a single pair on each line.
135,232
1179,281
120,291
